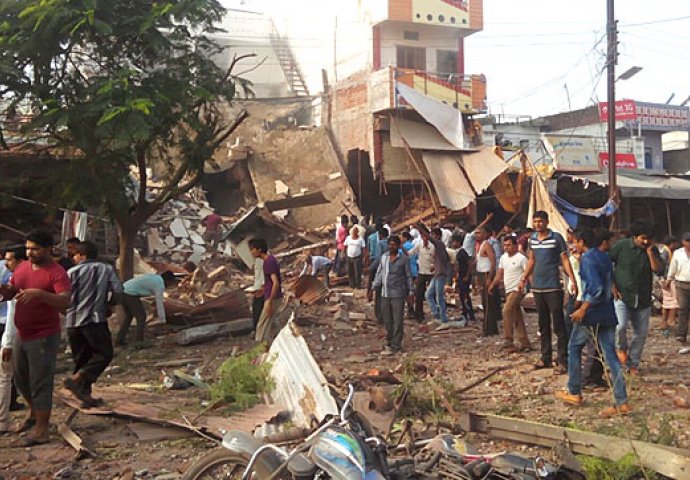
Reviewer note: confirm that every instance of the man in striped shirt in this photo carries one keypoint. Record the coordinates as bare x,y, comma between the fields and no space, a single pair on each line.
94,285
547,253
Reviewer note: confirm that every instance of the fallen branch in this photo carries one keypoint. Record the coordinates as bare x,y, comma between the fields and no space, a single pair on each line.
444,400
479,381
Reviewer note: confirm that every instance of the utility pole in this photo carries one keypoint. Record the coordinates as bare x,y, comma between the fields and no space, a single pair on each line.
611,59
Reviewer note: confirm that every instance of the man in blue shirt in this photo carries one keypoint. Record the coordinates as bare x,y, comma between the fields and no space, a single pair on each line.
595,317
548,252
381,248
151,285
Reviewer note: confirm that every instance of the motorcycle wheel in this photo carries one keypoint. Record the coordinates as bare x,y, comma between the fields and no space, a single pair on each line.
217,464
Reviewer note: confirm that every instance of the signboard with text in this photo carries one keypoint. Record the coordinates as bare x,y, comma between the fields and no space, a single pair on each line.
623,160
625,110
571,153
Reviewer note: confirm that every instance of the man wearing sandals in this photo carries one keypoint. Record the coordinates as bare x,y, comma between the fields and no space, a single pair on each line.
41,289
595,317
548,252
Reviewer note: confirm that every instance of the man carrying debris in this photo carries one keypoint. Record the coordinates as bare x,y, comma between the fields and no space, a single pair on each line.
41,289
316,265
394,278
635,259
93,282
595,317
150,285
548,252
273,292
212,223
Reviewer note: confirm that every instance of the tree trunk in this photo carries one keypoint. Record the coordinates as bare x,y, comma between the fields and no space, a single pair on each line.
125,262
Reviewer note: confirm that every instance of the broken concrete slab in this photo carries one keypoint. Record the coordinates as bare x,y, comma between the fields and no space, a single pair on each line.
178,228
281,188
206,333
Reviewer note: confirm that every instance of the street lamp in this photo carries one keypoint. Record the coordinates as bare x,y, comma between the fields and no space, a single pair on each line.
632,71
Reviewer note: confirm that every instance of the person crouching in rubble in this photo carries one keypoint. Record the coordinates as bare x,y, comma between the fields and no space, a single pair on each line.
394,278
93,282
273,292
151,285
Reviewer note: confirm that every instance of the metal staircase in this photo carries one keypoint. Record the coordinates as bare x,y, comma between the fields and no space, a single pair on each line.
289,65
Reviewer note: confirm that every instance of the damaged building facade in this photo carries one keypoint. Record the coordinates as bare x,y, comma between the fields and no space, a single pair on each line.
382,54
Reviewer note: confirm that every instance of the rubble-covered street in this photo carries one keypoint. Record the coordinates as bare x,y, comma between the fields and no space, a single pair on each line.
345,342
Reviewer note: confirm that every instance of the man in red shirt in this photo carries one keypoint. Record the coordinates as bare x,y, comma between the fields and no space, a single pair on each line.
41,288
212,224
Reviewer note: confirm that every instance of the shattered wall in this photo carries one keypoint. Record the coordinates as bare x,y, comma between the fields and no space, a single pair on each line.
300,157
350,119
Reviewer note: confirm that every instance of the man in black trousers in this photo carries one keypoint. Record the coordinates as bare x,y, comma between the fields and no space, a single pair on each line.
94,285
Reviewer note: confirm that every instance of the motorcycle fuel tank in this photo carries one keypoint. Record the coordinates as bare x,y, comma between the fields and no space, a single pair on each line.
338,453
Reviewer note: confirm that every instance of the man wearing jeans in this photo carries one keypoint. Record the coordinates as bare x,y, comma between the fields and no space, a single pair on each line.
41,289
679,272
548,252
635,259
394,278
595,317
442,271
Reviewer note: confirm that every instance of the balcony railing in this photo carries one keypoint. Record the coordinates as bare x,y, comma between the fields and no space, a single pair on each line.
467,93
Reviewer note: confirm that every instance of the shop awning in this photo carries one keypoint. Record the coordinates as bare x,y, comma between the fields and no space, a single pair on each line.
419,136
634,185
452,189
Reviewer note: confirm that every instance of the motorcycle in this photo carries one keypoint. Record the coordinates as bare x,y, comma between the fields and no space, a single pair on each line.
339,449
343,448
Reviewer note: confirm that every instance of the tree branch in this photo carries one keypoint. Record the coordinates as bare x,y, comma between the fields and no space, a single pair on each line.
143,179
235,124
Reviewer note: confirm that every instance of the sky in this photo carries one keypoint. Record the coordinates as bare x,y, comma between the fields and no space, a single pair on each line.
548,56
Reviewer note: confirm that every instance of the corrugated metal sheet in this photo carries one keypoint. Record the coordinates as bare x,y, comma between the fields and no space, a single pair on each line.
445,118
420,136
482,168
397,166
310,290
451,186
300,385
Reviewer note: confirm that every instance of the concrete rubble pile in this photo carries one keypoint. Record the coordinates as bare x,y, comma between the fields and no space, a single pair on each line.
175,233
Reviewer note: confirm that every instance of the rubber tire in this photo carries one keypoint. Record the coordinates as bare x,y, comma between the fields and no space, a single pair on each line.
212,459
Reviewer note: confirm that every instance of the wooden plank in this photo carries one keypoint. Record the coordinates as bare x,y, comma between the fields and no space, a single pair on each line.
74,441
669,461
295,251
426,213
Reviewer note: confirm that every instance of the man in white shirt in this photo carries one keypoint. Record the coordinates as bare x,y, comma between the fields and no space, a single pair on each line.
355,247
316,265
679,270
425,249
257,291
511,267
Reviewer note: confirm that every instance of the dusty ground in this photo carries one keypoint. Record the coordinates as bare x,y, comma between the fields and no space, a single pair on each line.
454,357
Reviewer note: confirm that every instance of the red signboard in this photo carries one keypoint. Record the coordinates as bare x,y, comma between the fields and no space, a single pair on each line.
623,160
625,110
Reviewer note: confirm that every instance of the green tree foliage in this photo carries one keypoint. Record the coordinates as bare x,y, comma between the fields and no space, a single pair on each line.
119,86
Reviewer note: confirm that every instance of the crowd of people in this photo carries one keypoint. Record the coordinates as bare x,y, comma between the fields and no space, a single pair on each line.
589,290
37,291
